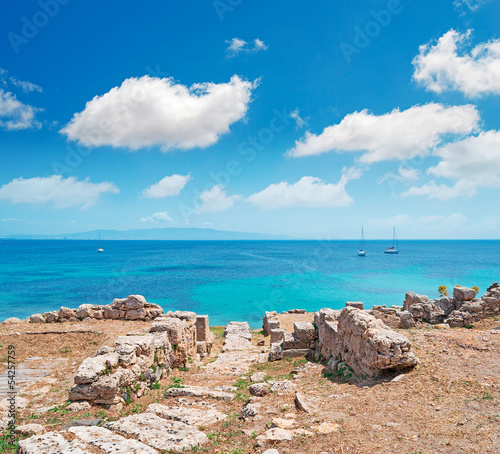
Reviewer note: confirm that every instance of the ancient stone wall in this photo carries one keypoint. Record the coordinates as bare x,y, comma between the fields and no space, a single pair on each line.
362,342
135,307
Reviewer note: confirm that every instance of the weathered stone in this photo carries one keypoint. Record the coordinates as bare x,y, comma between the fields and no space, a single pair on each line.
65,312
356,304
199,391
50,443
11,320
295,353
290,341
275,435
29,429
285,386
277,335
173,326
368,346
250,410
464,293
282,423
276,352
78,406
158,432
187,415
82,423
271,321
109,442
303,403
51,317
91,368
406,319
327,428
258,377
412,298
202,328
259,389
37,318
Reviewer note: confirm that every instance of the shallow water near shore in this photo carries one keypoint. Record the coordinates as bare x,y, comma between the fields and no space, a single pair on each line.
234,280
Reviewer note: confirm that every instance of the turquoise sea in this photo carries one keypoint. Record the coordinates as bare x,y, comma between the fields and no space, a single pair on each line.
234,280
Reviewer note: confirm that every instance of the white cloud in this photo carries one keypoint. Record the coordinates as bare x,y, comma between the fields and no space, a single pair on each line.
395,135
408,174
448,66
25,86
472,5
216,199
15,115
442,192
237,45
150,111
56,190
298,119
160,216
307,192
168,186
473,163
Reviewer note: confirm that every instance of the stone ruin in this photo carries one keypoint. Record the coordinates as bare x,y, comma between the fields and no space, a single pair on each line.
354,338
135,307
460,310
131,367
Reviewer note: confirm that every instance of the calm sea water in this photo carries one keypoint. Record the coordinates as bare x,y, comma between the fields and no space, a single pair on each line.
234,280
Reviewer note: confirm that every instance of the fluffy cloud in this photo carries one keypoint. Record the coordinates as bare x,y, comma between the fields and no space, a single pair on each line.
166,187
15,115
473,162
472,5
237,45
56,190
149,111
395,135
307,192
298,119
216,199
25,86
448,66
160,216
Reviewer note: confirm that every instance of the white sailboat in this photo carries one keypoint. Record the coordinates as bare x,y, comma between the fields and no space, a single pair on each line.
100,248
361,251
394,249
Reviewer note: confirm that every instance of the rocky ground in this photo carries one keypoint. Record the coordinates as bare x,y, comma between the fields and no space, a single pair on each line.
450,403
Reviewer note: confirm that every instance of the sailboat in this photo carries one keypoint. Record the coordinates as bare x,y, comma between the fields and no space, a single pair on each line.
362,252
394,249
100,248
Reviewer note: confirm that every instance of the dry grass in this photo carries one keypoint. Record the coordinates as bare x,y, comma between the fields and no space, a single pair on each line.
448,404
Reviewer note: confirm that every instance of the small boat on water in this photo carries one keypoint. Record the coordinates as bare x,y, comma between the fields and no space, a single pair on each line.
361,251
100,248
394,249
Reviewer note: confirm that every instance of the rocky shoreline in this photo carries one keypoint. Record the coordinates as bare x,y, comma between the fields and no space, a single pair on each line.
352,341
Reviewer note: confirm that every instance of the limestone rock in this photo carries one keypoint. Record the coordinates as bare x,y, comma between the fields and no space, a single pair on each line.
277,335
303,403
199,391
258,377
158,432
463,293
192,416
285,386
50,443
37,318
11,320
173,326
356,304
250,410
271,321
29,429
109,442
91,368
412,298
275,435
78,406
276,352
295,353
258,389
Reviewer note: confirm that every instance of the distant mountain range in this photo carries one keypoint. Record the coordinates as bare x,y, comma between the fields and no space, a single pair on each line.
153,234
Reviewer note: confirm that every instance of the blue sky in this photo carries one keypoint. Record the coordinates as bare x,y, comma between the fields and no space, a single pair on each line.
307,120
